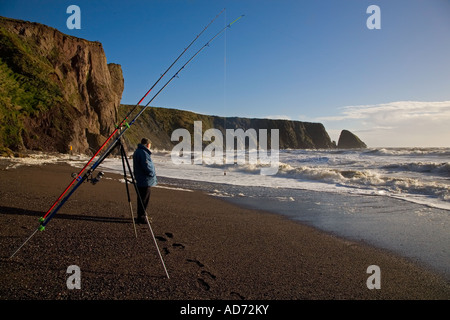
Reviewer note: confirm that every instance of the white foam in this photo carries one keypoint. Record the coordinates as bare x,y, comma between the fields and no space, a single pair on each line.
40,158
174,188
349,172
417,175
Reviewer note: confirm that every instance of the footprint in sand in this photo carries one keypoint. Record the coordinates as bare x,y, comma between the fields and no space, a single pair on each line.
236,295
168,236
205,275
206,278
203,284
208,274
178,245
201,265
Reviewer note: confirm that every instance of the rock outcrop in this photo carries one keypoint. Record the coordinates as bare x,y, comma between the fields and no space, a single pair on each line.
58,90
348,140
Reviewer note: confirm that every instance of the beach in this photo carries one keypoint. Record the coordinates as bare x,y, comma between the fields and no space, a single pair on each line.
212,249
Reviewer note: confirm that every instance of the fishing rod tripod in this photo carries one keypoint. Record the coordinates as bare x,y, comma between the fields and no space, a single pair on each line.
124,125
125,166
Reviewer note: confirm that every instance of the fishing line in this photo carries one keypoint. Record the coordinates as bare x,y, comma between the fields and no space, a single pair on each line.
124,121
123,127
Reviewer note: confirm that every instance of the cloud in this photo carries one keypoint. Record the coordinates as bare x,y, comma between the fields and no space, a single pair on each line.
400,123
279,117
394,111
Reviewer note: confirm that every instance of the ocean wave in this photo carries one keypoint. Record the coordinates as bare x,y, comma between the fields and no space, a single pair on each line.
40,158
368,179
440,152
423,167
350,170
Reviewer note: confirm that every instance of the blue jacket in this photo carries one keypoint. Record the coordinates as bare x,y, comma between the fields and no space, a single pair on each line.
144,170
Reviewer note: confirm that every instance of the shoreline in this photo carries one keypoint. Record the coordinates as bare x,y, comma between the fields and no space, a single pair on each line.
403,233
395,225
213,250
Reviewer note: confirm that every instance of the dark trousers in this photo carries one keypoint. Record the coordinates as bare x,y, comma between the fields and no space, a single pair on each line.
144,194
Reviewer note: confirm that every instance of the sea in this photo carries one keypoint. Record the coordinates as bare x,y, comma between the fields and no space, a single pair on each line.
397,199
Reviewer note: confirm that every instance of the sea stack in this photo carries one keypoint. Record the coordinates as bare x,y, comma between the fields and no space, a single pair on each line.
348,140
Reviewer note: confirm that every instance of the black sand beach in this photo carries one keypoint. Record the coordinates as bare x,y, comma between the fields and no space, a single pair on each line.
213,250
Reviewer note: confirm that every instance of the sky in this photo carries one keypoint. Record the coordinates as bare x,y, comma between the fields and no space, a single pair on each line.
307,60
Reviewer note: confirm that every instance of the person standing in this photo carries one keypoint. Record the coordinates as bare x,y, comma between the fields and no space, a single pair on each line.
145,175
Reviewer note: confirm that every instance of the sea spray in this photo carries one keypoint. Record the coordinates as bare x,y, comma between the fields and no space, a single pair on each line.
235,148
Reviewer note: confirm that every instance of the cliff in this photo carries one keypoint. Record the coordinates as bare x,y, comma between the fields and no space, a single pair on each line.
57,90
159,123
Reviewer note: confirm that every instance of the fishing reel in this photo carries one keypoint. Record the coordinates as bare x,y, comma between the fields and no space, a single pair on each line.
96,179
92,179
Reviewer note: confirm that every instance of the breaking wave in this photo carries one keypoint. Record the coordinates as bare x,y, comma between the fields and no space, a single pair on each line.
442,152
368,179
421,178
409,173
424,167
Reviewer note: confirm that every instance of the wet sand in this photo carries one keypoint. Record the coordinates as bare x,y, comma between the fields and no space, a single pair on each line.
213,250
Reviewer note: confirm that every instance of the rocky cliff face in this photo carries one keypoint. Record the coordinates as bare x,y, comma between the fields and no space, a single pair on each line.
58,90
159,123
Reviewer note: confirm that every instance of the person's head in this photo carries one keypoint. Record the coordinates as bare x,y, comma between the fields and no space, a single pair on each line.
146,142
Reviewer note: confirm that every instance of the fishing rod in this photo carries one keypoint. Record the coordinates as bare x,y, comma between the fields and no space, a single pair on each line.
50,214
45,220
124,121
111,147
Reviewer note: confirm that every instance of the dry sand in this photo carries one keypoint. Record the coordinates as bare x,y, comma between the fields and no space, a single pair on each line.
213,250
